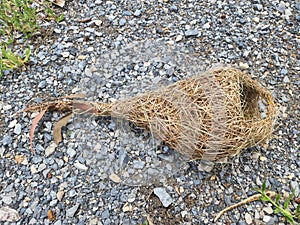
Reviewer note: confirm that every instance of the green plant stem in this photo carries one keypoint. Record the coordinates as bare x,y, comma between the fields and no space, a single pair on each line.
284,212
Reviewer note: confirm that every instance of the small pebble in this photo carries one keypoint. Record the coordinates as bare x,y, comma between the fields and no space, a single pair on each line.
138,164
163,196
137,12
189,33
179,38
268,209
18,129
71,211
65,54
248,218
12,124
243,65
50,150
6,107
71,152
7,200
33,169
122,22
98,22
259,7
256,19
42,84
58,31
266,218
80,166
174,8
206,26
286,79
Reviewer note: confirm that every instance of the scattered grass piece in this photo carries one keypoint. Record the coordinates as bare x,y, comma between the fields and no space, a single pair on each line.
51,15
18,16
11,60
284,210
145,222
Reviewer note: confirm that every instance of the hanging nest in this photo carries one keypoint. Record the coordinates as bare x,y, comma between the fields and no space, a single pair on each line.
210,116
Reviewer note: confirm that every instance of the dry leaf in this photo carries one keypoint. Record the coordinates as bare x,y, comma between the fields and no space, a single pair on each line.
57,128
20,158
50,214
8,214
34,124
60,3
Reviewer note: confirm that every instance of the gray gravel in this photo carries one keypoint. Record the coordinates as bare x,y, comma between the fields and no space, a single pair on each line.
75,179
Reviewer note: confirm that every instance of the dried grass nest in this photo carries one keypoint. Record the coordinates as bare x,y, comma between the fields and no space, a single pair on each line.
210,116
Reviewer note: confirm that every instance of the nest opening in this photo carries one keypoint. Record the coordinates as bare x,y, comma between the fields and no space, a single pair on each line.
253,102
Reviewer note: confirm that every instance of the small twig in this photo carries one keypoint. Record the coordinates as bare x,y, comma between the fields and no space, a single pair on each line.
243,202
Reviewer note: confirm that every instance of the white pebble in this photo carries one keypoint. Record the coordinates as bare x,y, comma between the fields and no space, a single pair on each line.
286,79
80,166
90,49
256,19
266,218
65,54
268,209
17,129
206,26
12,124
178,38
50,150
98,22
244,65
7,107
163,196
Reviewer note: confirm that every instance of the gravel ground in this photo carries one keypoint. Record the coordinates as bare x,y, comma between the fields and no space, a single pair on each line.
260,37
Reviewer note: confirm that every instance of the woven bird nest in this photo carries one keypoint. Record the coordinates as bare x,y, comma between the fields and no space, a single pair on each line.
209,116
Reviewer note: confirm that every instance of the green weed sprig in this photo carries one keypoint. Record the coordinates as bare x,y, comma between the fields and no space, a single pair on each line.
292,217
10,60
19,18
